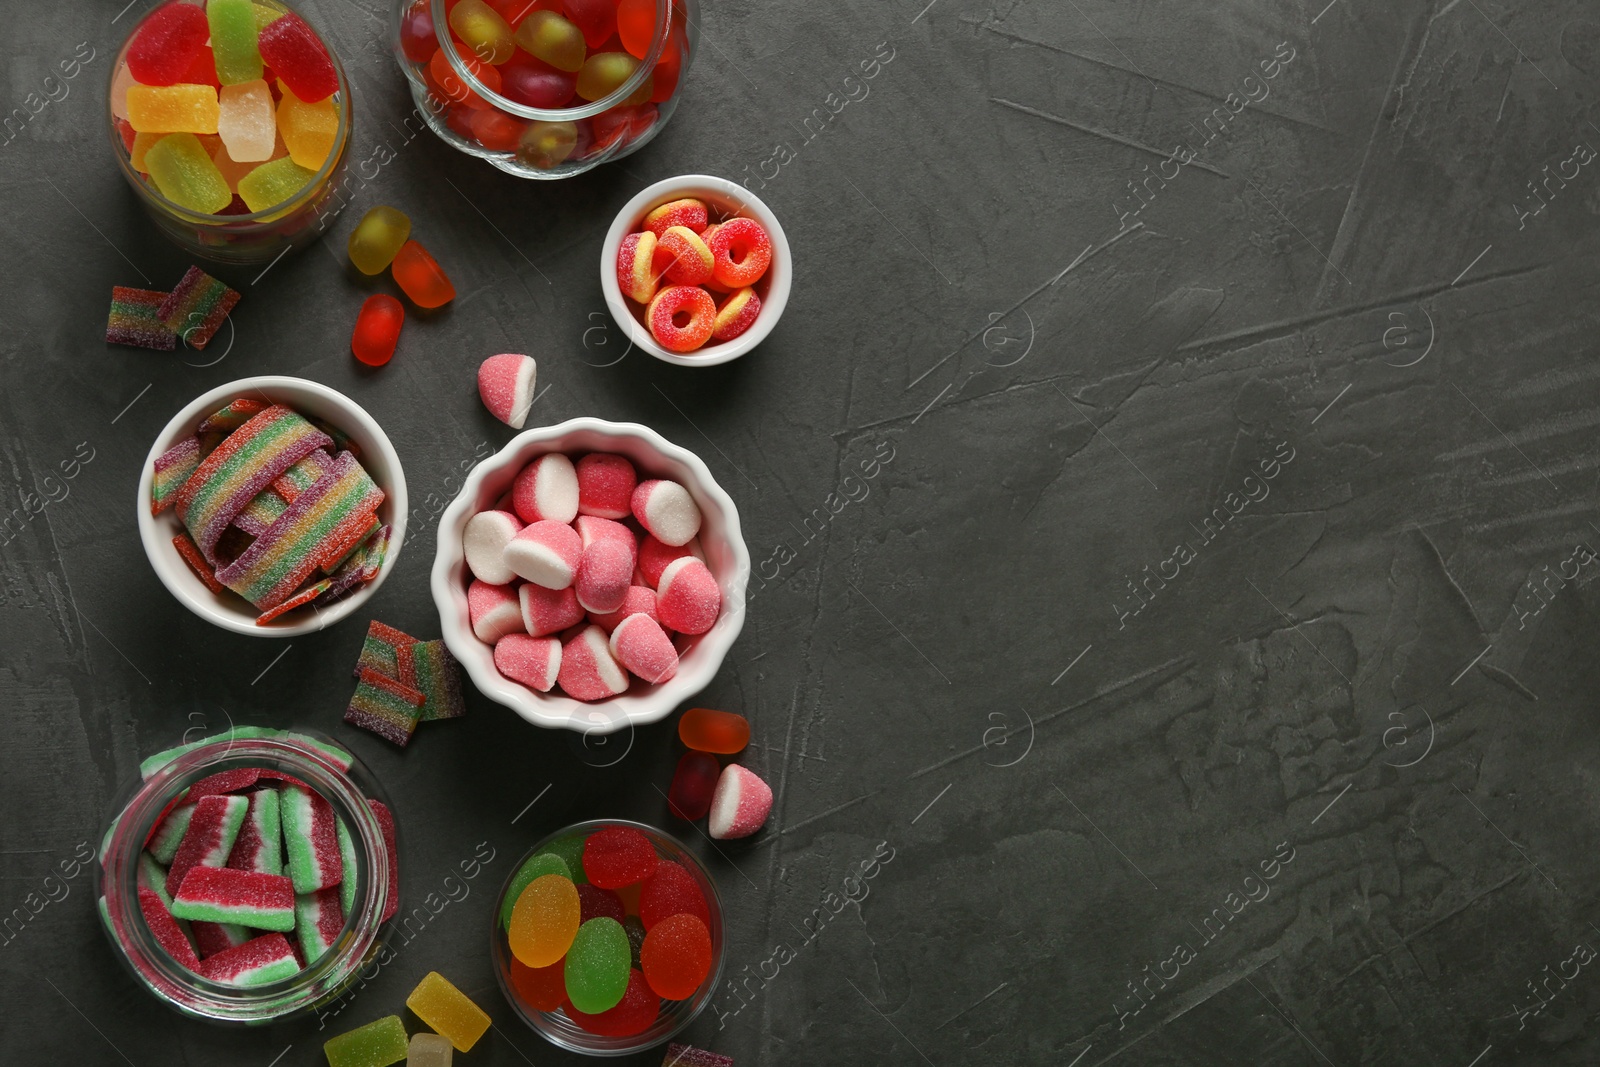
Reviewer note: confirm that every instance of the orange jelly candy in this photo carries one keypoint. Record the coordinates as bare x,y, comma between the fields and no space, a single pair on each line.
420,277
721,732
544,921
676,956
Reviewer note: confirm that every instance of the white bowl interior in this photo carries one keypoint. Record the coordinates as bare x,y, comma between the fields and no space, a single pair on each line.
312,400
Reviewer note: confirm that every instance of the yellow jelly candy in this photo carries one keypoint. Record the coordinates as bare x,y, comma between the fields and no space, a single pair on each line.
603,74
182,108
308,129
448,1010
141,145
547,144
546,35
545,920
377,237
182,169
483,30
272,183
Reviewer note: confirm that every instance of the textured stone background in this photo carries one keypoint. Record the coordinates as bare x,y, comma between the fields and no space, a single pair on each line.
1350,685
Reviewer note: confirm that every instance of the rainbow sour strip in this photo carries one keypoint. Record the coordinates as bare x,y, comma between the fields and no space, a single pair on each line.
303,475
262,511
172,469
196,308
384,706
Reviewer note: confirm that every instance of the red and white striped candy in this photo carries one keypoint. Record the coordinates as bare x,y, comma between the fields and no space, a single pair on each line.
505,382
548,611
666,510
494,611
605,485
605,575
638,600
654,555
740,804
531,661
588,671
547,488
485,540
546,553
688,599
639,644
592,528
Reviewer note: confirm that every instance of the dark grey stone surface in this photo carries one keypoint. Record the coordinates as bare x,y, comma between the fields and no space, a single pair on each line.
1320,790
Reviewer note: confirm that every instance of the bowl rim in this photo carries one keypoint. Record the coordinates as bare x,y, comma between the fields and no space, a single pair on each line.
564,712
726,192
164,559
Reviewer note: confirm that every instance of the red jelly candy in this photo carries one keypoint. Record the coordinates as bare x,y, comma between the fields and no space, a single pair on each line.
417,40
541,988
457,91
495,130
676,956
594,902
671,891
689,796
421,277
299,58
596,18
636,26
537,84
203,71
633,1014
166,42
669,68
618,856
377,329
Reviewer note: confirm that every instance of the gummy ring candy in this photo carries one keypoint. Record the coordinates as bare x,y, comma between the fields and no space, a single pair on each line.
690,303
741,251
736,315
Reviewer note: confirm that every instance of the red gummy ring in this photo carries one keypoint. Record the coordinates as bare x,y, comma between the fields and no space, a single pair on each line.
736,315
741,251
681,300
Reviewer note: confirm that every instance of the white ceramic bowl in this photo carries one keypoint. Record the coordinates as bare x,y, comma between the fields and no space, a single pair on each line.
723,198
227,610
720,539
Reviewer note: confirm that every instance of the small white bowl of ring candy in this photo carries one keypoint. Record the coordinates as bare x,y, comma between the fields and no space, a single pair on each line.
696,269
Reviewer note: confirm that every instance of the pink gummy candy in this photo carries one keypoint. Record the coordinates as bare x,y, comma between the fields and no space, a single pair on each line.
654,556
485,540
605,485
688,598
531,661
547,488
493,610
639,600
548,611
588,671
639,644
666,510
604,575
740,805
505,382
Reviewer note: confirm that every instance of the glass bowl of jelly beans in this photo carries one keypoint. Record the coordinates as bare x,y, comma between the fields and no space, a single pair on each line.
248,875
696,270
546,88
607,938
230,120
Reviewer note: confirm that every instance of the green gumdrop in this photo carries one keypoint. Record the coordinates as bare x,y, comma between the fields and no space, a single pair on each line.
272,183
233,40
597,966
537,867
182,169
570,849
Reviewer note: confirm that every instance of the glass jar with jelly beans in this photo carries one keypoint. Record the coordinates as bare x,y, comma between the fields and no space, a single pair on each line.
184,874
230,120
546,88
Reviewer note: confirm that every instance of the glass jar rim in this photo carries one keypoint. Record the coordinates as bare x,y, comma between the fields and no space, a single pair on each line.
647,66
341,140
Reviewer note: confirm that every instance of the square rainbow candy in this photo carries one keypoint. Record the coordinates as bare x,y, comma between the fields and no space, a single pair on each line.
260,960
212,829
381,650
311,841
384,706
172,469
135,320
430,669
224,895
195,309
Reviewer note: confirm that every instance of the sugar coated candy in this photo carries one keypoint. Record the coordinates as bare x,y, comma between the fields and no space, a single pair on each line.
536,867
546,553
246,122
637,276
636,932
676,956
688,599
481,29
318,921
259,846
670,891
310,840
377,1044
421,277
385,706
681,317
232,415
179,108
493,610
631,1015
379,650
547,488
169,833
233,41
597,965
618,856
212,938
687,212
209,837
639,644
638,600
544,920
166,43
736,315
693,783
505,384
604,574
740,805
298,57
654,555
531,661
742,250
377,237
259,961
225,895
605,485
429,1050
689,1056
686,255
596,902
308,128
708,730
134,321
548,611
588,670
430,669
272,183
182,170
449,1011
168,934
385,818
196,308
541,988
570,849
484,542
377,330
666,510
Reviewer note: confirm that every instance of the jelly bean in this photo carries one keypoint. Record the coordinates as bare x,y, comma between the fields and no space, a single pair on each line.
631,1015
377,329
604,73
689,796
597,964
681,317
308,129
742,251
618,856
671,891
536,83
420,277
541,988
547,144
377,237
547,36
544,921
272,183
417,40
535,868
596,18
597,902
495,130
676,956
721,732
635,931
299,58
481,29
457,91
570,849
183,172
173,108
233,40
636,26
166,43
245,121
736,315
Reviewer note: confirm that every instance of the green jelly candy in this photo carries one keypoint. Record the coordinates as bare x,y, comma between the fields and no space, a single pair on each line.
272,183
597,966
536,867
233,40
182,169
570,849
376,1044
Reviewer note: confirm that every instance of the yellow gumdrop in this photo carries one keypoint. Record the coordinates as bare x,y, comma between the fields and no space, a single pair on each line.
308,130
544,921
547,36
483,30
603,74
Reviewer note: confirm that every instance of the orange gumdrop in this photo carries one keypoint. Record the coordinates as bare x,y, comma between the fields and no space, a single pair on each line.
720,732
420,277
544,921
541,988
636,26
676,956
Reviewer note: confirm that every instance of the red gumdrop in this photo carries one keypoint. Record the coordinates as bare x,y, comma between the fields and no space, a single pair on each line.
669,68
495,130
417,39
203,71
541,988
166,42
618,856
636,26
457,91
596,18
671,891
514,11
633,1014
676,956
594,902
299,57
535,83
377,329
693,783
127,132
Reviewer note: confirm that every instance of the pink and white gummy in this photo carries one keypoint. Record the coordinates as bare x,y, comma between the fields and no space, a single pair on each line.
667,511
485,540
548,611
530,661
545,553
493,610
639,644
588,670
688,598
605,485
605,575
740,804
547,488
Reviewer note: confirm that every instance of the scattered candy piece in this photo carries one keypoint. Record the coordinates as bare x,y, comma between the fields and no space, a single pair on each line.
546,553
134,320
209,838
693,783
547,488
597,964
430,669
195,309
310,841
618,856
421,278
676,956
548,611
385,706
377,329
318,921
605,485
708,730
377,238
588,670
493,610
544,920
224,895
687,212
741,803
259,961
506,382
667,511
639,644
736,316
377,1044
449,1011
429,1050
533,661
688,599
688,303
380,648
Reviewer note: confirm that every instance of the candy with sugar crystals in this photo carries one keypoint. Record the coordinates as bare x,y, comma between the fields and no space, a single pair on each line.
506,383
541,988
687,256
259,961
689,1056
494,611
687,597
604,574
532,661
740,805
310,840
670,891
667,511
546,553
676,956
688,212
619,856
134,321
212,831
588,670
631,1015
380,649
662,314
385,817
536,867
430,669
654,555
298,57
448,1010
259,846
547,488
166,43
597,902
318,921
638,600
168,934
592,528
384,706
224,895
639,644
169,834
429,1050
597,965
544,920
171,469
196,308
736,315
485,540
605,485
212,938
377,1044
548,611
636,273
